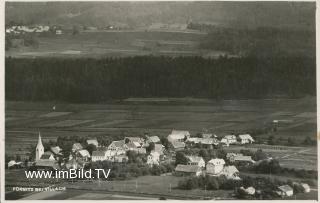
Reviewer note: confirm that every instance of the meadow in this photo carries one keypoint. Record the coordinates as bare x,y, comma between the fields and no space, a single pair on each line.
115,43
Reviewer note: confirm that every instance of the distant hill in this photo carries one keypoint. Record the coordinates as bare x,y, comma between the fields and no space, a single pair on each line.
298,15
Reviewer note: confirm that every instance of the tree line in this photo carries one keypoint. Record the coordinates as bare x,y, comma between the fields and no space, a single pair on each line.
104,79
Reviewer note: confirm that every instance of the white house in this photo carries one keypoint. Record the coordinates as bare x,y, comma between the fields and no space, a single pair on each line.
285,190
249,190
196,160
154,139
215,166
93,142
231,172
83,154
245,138
153,158
178,135
118,145
229,139
159,148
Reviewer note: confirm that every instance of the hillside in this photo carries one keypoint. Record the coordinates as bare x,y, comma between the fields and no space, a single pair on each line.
243,14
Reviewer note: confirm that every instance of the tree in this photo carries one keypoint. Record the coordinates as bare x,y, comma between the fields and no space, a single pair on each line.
259,155
91,148
150,147
181,158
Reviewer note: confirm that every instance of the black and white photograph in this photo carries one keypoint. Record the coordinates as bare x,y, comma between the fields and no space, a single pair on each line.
160,100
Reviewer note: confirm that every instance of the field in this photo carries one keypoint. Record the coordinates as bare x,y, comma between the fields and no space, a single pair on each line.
116,43
24,120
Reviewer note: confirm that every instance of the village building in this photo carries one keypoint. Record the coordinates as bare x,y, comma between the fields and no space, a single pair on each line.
47,156
196,160
230,156
230,172
242,159
39,148
206,135
187,170
152,139
248,190
229,139
120,158
76,147
245,139
14,165
153,158
285,191
98,156
93,142
83,155
177,145
215,166
303,186
138,141
178,135
118,146
56,150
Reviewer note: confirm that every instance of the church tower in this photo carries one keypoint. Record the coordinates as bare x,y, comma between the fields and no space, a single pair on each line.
39,149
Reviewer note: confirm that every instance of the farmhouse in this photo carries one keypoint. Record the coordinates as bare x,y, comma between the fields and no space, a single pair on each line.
13,164
178,135
230,172
196,161
56,150
93,142
98,156
118,145
182,170
138,141
245,138
76,147
303,186
83,155
178,145
230,156
153,158
133,147
229,139
215,166
285,190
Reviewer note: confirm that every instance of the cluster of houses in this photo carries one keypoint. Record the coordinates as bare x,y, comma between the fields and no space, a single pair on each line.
20,29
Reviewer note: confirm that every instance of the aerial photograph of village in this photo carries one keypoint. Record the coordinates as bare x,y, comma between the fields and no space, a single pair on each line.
188,100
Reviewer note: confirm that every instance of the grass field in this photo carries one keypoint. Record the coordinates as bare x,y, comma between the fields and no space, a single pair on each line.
24,120
122,43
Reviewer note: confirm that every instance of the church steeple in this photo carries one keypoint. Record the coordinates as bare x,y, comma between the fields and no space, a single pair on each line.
39,149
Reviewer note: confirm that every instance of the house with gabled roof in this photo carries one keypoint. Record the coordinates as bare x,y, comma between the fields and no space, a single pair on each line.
183,170
118,146
229,139
98,156
152,139
76,147
159,148
178,135
245,139
196,160
215,166
230,172
83,155
177,145
56,150
285,190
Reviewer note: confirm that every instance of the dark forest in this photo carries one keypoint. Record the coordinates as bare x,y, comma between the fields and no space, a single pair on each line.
100,80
